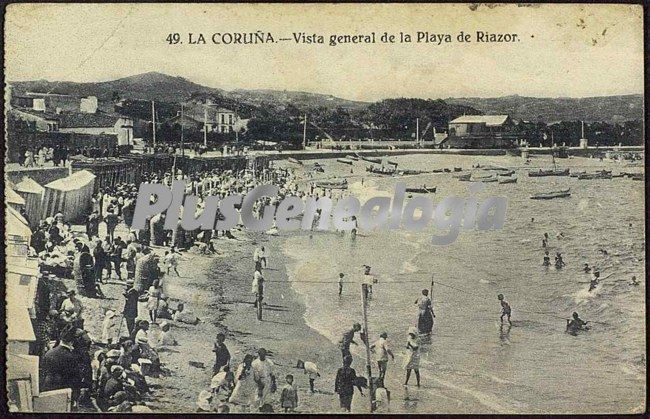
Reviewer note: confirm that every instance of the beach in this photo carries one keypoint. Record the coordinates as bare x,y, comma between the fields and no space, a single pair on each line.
473,364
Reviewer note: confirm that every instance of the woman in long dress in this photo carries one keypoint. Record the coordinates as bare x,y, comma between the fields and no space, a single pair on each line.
245,387
413,358
425,318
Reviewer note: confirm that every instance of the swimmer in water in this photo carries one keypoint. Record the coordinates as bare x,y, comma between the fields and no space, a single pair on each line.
634,281
505,308
594,280
547,259
576,324
559,263
586,268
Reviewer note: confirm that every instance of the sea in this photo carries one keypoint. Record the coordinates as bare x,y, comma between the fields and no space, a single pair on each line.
473,363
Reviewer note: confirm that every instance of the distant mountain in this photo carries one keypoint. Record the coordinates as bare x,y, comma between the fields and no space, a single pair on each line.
611,109
297,99
147,86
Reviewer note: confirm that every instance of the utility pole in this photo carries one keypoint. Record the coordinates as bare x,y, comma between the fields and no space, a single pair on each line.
153,120
364,299
304,133
182,134
417,130
205,126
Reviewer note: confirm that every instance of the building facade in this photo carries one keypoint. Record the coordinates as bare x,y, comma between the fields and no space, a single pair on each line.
481,131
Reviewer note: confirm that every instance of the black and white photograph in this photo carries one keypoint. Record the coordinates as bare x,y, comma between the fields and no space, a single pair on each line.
325,208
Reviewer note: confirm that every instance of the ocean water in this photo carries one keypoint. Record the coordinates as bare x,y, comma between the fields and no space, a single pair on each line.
472,364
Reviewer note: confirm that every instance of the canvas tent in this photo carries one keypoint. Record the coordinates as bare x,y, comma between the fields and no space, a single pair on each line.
13,199
71,196
17,227
32,193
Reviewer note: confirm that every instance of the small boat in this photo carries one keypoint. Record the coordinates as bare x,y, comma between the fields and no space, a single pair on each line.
446,170
554,172
507,180
576,174
351,157
381,170
292,160
423,189
346,161
411,172
598,175
506,173
318,169
485,179
370,159
343,184
458,169
550,195
436,170
464,177
618,175
638,176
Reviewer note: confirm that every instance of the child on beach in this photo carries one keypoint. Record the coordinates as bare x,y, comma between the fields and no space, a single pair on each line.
171,261
311,369
289,395
505,308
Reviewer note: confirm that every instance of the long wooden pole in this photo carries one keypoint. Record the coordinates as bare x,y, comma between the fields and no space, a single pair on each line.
205,127
304,133
364,299
153,120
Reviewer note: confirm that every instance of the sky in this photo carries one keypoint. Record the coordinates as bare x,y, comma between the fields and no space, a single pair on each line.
563,50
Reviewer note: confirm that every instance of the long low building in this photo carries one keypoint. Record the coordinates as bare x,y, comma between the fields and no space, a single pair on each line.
481,131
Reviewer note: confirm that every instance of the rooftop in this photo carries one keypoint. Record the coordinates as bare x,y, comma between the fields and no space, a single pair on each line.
489,120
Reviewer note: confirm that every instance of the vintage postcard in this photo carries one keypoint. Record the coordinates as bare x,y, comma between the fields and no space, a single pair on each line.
325,208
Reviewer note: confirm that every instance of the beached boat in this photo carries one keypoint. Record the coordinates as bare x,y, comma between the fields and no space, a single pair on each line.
506,172
551,195
292,160
411,172
638,176
345,161
603,174
485,179
554,172
423,189
381,170
464,177
576,174
343,184
351,157
507,180
369,159
458,169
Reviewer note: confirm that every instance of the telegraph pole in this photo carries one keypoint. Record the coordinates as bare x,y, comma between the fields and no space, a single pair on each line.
205,127
153,120
417,130
364,299
304,133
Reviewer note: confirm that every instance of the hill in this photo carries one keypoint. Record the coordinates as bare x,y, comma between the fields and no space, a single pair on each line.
612,109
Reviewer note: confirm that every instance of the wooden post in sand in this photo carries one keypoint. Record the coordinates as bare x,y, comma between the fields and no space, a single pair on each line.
364,297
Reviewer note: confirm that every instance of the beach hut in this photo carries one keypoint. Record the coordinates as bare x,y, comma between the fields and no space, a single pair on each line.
17,228
13,199
71,196
32,193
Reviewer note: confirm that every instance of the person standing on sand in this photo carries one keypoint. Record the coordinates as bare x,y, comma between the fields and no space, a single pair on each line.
289,395
221,353
426,316
258,287
505,308
381,350
130,311
264,376
413,358
341,275
347,339
346,377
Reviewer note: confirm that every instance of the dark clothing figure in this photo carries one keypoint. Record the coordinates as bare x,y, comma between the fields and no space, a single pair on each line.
222,356
57,364
101,262
344,386
130,309
92,225
38,241
111,220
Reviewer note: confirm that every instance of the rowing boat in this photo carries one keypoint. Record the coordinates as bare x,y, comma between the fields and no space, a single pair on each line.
351,157
464,177
507,180
333,185
292,160
346,161
554,172
380,170
423,189
550,195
